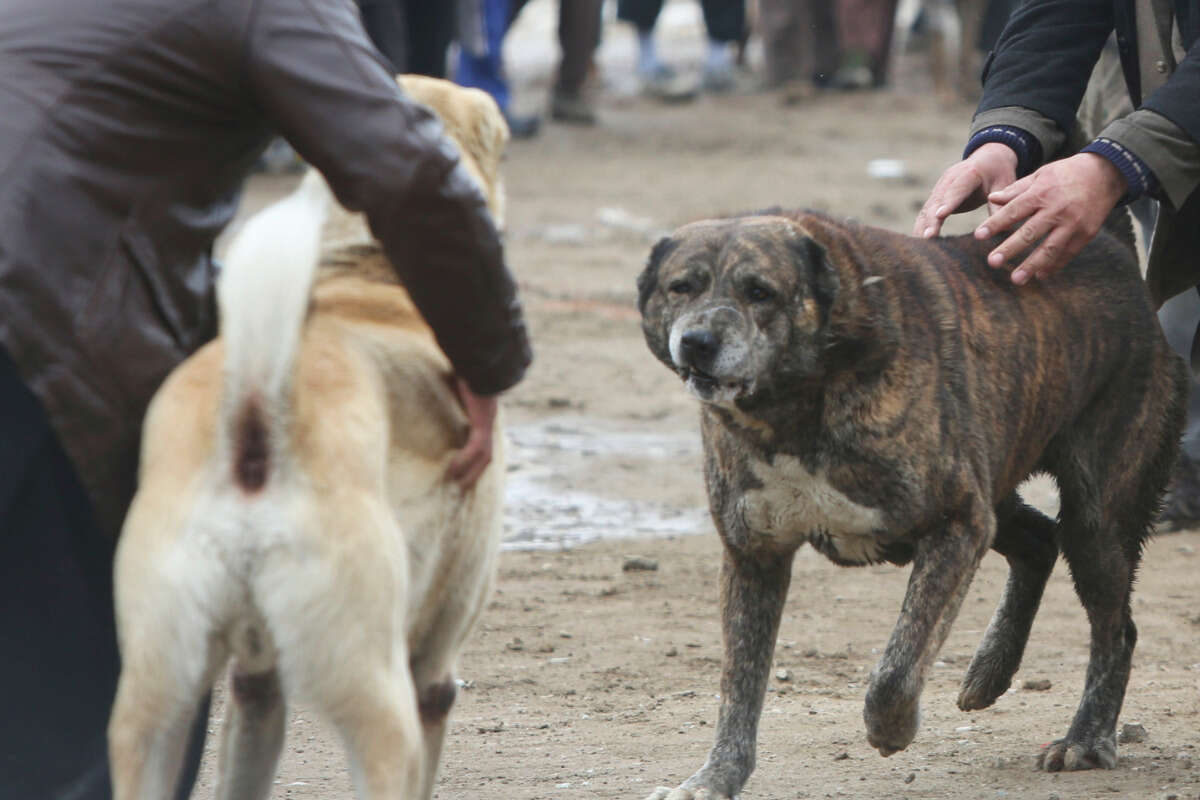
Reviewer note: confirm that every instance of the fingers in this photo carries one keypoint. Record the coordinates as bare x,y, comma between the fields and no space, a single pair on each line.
1002,197
470,462
1012,206
947,196
1057,249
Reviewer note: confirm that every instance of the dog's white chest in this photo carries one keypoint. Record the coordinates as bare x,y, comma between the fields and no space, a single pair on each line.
795,505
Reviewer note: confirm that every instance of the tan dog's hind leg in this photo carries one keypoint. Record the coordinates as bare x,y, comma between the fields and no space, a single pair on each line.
335,605
379,726
169,658
252,736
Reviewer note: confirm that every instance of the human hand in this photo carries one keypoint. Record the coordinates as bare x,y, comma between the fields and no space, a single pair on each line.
1058,208
966,185
476,453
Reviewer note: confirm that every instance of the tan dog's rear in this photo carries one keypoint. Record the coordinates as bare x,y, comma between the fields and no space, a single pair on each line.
294,517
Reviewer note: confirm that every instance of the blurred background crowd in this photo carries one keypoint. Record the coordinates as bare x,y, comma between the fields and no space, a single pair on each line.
798,49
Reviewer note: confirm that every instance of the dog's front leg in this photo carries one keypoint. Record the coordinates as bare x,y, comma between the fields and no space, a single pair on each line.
753,591
944,563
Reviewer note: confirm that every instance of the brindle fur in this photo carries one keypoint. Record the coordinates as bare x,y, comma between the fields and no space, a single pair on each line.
881,397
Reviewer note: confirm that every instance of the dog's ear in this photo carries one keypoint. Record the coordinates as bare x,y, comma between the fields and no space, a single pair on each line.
813,264
649,277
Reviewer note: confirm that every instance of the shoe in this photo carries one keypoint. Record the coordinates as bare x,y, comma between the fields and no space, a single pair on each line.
664,84
1181,505
523,127
718,78
572,108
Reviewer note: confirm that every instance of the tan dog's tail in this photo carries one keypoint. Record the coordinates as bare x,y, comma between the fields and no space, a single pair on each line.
263,292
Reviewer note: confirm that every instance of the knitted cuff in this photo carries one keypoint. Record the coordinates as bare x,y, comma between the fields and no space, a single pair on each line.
1022,142
1137,175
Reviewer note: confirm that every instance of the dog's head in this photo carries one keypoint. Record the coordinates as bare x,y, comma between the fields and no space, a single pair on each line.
738,306
474,122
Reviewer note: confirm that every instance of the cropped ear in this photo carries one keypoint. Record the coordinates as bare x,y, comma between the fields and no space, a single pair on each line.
649,277
813,263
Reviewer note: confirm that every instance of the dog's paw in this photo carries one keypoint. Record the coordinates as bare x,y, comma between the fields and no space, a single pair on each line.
1064,755
892,713
681,793
712,782
982,686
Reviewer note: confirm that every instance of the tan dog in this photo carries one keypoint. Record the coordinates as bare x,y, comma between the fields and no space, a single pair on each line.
294,516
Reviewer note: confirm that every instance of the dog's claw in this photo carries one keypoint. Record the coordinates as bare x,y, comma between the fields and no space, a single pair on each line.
680,793
1066,756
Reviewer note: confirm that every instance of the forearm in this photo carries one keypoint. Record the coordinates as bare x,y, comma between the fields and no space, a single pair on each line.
316,76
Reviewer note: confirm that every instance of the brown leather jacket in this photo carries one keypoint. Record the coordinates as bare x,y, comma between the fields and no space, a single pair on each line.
126,128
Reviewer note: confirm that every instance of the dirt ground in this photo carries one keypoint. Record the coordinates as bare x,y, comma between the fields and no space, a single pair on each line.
588,681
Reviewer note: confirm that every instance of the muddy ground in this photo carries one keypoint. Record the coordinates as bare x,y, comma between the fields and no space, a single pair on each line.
588,681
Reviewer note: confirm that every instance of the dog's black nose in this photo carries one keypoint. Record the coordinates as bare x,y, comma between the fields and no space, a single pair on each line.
699,345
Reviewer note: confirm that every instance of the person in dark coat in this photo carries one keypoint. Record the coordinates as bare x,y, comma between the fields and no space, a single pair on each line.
126,129
1051,192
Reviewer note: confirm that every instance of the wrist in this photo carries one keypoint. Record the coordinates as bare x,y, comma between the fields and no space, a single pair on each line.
1024,150
997,151
1121,169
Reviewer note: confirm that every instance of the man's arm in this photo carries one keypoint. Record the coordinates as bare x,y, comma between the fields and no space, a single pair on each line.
311,68
1033,83
1059,208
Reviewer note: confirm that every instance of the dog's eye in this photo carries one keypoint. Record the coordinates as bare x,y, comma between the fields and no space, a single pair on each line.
680,286
757,293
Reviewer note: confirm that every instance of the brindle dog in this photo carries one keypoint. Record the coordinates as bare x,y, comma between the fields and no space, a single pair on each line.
881,397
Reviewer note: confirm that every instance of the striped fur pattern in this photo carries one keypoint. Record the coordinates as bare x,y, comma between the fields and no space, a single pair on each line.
880,398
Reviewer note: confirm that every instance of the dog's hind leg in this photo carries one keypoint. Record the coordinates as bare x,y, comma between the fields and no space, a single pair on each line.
169,655
378,721
337,622
434,700
944,564
1111,487
148,733
1026,538
251,737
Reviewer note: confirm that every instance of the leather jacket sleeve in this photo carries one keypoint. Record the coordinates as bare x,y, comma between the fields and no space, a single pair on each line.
315,75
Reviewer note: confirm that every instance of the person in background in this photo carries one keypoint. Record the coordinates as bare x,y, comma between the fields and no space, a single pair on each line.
483,27
126,131
1051,193
865,36
800,45
413,35
480,61
724,21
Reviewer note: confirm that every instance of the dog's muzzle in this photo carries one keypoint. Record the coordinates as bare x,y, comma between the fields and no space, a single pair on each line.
710,355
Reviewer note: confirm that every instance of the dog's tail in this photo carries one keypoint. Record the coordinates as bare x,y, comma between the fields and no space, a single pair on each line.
263,293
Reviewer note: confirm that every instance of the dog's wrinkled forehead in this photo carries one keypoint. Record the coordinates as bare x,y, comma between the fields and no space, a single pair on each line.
724,243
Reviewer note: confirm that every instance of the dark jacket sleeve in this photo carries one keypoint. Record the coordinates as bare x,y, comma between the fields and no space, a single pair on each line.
315,75
1045,57
1179,101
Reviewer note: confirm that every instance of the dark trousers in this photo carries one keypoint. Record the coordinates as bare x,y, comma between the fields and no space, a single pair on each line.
799,40
725,20
579,24
412,34
58,650
1180,320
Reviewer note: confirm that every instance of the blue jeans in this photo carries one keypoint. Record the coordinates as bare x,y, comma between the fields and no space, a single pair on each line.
486,71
